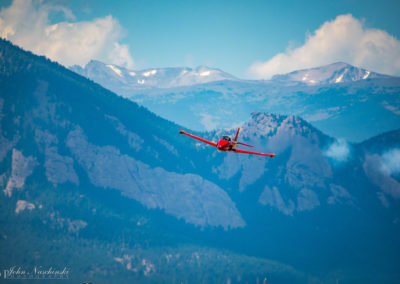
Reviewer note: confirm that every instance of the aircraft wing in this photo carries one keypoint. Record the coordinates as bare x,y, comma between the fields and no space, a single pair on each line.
253,153
198,138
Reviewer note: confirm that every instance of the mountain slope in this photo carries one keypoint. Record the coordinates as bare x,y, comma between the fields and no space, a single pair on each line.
314,196
94,182
51,107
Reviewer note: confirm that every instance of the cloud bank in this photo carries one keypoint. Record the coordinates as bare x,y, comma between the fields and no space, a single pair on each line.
343,39
26,23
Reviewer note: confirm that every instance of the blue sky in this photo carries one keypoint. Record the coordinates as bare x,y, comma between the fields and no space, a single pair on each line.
230,35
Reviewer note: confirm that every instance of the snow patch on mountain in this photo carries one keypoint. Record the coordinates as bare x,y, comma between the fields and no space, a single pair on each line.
149,73
115,69
205,73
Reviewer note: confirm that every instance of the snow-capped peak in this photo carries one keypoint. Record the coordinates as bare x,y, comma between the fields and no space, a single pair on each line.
335,73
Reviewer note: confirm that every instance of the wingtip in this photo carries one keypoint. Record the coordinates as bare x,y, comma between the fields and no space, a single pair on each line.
181,132
272,155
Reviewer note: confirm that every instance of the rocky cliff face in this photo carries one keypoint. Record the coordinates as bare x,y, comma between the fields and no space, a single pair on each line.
21,168
188,196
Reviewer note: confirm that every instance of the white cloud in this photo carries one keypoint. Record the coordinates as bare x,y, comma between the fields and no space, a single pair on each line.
210,122
343,39
338,151
26,23
391,162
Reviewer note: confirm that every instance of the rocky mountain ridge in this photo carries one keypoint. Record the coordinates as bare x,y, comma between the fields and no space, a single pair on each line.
128,81
334,73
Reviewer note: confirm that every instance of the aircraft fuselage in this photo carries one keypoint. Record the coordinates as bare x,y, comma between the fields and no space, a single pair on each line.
226,146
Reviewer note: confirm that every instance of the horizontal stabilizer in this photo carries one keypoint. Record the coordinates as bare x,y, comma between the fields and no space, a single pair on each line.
240,143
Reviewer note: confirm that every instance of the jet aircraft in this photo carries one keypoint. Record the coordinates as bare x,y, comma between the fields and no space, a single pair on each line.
226,144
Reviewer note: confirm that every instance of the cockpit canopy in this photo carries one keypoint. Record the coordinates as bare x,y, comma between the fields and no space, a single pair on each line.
226,138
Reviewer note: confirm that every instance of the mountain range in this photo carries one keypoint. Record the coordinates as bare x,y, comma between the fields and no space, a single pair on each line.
342,100
95,182
115,76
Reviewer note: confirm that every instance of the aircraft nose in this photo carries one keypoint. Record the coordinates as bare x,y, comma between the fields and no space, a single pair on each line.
221,144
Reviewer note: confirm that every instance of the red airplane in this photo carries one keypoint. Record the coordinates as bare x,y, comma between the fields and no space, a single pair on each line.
226,144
